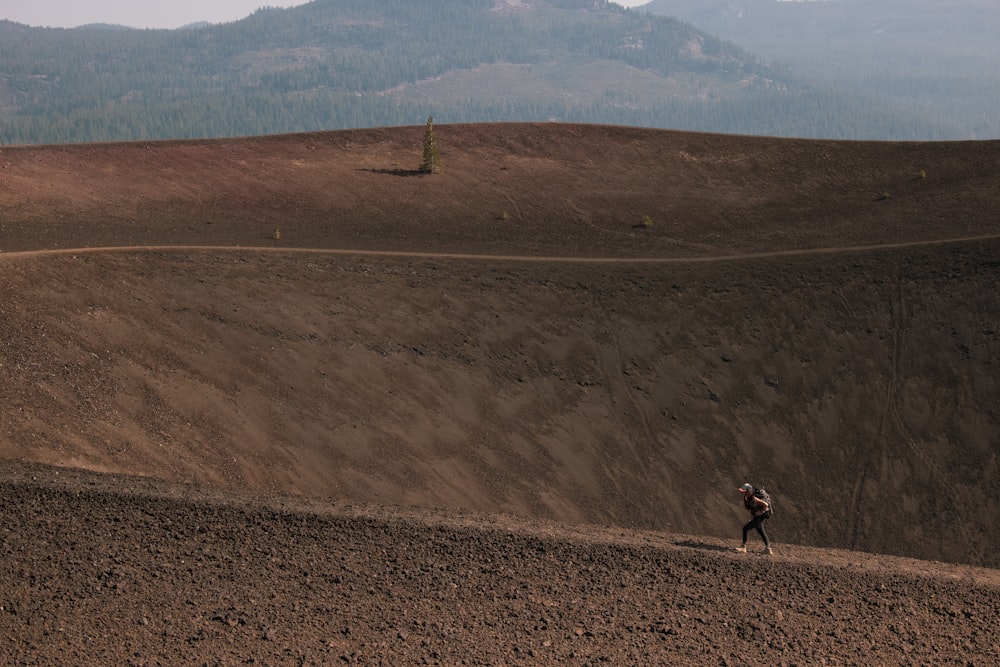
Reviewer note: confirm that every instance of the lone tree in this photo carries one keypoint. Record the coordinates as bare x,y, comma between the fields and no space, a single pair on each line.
432,161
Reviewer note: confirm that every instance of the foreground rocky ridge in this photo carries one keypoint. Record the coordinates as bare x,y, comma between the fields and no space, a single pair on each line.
130,571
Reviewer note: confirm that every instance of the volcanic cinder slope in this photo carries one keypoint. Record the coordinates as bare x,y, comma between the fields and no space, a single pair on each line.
288,400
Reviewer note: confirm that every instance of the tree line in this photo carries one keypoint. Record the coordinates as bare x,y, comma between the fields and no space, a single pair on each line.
339,64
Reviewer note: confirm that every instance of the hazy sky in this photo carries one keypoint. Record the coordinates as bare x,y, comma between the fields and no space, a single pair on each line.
144,13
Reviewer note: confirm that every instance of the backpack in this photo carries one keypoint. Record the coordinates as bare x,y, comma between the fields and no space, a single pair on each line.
761,493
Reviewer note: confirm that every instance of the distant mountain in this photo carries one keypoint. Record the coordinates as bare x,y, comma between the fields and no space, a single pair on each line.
938,59
337,64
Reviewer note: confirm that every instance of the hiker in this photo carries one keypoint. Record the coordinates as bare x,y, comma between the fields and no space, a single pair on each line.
759,505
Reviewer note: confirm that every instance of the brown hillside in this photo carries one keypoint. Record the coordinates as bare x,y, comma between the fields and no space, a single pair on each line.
505,337
567,190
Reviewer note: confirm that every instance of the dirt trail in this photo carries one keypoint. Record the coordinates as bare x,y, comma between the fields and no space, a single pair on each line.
499,258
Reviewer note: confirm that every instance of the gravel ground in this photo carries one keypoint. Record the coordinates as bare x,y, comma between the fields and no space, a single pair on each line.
127,571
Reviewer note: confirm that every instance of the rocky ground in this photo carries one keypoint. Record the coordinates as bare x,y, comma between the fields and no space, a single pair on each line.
285,400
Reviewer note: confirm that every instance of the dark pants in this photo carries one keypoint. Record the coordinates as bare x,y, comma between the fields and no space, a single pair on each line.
756,523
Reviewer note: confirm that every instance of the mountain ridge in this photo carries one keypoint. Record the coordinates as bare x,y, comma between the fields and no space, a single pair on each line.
162,573
935,57
339,64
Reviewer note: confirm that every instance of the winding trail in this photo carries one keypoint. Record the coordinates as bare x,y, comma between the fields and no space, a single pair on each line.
493,258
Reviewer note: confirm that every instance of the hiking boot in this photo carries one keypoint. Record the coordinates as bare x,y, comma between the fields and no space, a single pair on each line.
742,549
767,550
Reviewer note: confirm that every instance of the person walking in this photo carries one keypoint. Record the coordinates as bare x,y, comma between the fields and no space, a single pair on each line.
758,503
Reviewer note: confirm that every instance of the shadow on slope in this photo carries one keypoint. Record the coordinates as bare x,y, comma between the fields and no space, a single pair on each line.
859,387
